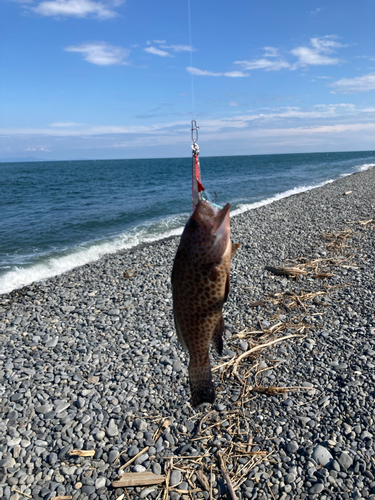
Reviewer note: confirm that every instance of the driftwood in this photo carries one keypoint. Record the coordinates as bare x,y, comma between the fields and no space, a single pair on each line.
286,271
203,480
83,453
138,479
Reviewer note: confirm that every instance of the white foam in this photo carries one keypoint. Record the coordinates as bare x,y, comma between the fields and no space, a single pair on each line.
251,206
53,266
365,166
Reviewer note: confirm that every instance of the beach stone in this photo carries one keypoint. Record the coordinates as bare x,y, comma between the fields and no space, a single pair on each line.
88,489
316,489
113,454
292,447
132,451
7,462
112,429
52,342
100,435
322,456
100,483
61,407
43,409
345,460
156,468
175,478
139,468
147,491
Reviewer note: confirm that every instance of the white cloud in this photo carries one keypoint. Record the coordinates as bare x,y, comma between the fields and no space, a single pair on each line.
363,83
202,72
157,52
271,52
318,54
74,8
64,124
268,65
100,53
37,149
178,48
326,43
233,103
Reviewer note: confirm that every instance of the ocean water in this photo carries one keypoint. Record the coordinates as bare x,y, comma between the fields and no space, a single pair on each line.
55,216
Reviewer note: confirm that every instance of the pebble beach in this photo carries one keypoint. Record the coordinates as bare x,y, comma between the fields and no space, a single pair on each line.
89,360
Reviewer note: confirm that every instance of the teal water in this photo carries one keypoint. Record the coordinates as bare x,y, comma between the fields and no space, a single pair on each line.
58,215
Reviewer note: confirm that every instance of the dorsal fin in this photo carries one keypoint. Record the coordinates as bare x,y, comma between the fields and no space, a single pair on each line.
235,247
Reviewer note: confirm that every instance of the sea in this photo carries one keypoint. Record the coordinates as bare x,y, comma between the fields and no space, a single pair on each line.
57,215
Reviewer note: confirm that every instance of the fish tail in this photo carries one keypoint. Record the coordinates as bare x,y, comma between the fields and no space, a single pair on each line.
201,384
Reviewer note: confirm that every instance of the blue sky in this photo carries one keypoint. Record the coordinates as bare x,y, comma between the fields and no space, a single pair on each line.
90,79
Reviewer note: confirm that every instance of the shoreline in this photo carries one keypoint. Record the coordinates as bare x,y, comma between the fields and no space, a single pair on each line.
90,360
237,212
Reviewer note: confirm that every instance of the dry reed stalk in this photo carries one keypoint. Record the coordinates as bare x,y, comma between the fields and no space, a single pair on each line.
286,271
134,458
227,478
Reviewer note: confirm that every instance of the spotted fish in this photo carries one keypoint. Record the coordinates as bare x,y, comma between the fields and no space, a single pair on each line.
200,284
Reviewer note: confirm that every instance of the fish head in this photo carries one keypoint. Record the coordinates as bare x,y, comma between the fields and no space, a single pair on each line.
207,234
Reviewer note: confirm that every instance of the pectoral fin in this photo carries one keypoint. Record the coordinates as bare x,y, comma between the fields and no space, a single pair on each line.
218,335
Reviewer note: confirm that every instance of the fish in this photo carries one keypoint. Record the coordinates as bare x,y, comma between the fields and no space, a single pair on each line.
200,287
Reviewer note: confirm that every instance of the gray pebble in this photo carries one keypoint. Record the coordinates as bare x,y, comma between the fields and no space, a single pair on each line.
175,478
322,456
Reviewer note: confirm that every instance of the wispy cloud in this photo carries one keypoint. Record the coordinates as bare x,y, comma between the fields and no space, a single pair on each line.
64,124
271,52
316,11
178,48
275,115
100,53
268,65
202,72
75,8
317,54
157,52
355,85
45,150
233,103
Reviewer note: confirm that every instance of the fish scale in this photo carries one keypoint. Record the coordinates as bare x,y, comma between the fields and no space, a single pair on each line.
200,284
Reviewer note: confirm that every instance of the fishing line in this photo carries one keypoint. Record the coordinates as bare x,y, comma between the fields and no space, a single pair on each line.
191,62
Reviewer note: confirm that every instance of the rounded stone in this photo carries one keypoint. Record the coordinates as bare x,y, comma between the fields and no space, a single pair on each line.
316,489
322,456
292,447
345,460
175,478
99,435
100,483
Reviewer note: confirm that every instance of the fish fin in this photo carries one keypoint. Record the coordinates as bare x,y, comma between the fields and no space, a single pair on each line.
226,293
212,271
213,274
235,247
201,384
178,330
218,335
